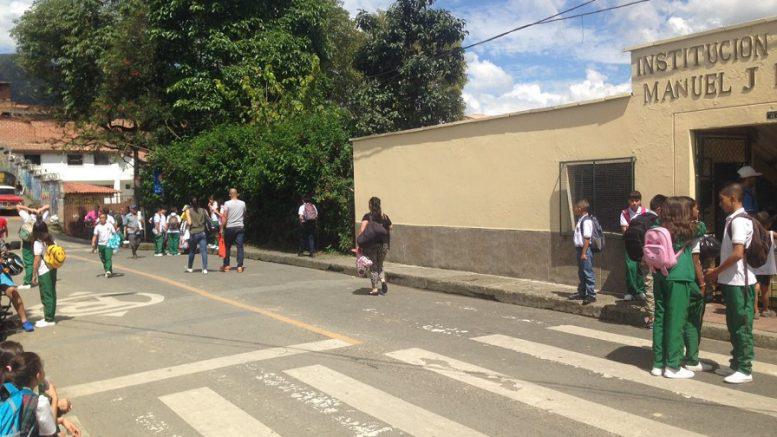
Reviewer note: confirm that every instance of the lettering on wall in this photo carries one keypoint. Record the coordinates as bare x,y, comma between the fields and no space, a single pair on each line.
745,49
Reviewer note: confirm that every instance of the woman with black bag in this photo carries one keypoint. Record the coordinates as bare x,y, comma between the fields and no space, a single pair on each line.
374,240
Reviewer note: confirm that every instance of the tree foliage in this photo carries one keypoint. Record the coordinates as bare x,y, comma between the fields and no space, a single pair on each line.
413,66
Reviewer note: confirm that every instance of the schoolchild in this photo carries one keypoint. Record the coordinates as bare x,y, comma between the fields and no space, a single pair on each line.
673,291
101,236
159,221
173,232
763,274
737,281
586,288
25,372
635,281
650,303
44,274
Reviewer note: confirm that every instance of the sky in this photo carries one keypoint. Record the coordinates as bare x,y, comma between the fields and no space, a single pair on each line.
550,64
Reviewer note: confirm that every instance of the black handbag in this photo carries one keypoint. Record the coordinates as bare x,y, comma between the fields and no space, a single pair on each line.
374,233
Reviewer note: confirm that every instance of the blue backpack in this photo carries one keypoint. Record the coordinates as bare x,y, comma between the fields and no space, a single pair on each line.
17,411
597,236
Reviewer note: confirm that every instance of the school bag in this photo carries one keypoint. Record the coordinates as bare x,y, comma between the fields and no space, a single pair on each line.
709,247
374,233
757,253
658,252
597,236
17,411
55,256
310,212
25,232
173,224
634,237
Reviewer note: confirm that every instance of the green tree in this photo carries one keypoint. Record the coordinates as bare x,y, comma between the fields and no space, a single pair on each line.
413,66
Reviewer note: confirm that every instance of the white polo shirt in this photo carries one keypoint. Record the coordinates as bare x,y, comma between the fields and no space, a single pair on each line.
640,210
583,230
741,233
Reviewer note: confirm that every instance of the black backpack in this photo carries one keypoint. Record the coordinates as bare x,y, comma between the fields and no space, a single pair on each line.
634,237
758,253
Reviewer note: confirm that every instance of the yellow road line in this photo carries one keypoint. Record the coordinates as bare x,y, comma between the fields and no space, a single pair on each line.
235,303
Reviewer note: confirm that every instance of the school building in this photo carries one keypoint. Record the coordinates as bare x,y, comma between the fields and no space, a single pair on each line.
494,195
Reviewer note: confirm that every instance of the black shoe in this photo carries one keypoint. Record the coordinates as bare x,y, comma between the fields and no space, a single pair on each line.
384,288
588,300
576,296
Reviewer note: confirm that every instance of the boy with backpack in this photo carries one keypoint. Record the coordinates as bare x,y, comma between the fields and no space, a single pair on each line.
173,232
635,281
588,239
308,217
744,247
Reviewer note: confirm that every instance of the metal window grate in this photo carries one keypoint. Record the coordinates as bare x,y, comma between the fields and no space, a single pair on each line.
604,183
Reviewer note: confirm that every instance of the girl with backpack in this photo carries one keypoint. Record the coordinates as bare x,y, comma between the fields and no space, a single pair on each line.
22,411
44,274
668,253
374,239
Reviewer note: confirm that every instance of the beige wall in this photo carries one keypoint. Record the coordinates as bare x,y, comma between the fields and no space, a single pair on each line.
502,173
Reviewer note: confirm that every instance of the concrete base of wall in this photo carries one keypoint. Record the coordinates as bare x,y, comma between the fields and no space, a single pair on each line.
537,255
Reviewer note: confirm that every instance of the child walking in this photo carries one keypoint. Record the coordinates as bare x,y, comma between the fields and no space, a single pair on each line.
173,232
102,235
737,280
43,274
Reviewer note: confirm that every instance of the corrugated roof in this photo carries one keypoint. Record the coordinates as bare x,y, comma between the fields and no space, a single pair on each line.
83,188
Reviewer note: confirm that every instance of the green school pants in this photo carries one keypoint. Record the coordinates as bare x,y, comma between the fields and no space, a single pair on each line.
659,298
672,300
635,282
47,284
159,244
106,256
739,319
692,334
28,257
172,243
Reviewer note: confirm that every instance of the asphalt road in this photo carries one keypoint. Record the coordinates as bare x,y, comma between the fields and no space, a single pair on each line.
281,350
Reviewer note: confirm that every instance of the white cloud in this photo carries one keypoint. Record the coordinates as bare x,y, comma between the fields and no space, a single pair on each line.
353,6
483,95
9,11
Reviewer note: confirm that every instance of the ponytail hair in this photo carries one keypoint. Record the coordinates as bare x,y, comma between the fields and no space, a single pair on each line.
375,210
8,351
40,232
25,369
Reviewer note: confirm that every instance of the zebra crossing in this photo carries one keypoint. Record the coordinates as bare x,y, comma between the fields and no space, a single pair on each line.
208,413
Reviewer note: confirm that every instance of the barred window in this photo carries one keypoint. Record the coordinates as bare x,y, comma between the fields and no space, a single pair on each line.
606,185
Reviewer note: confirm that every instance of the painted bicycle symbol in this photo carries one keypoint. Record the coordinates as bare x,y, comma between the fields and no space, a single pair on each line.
103,304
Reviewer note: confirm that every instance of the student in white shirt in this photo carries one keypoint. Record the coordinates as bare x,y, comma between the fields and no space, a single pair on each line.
585,258
173,232
160,228
635,280
103,232
27,373
30,214
732,275
44,275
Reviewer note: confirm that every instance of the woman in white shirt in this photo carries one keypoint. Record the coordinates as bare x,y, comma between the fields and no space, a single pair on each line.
44,275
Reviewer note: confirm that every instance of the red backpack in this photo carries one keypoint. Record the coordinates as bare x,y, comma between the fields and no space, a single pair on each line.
310,212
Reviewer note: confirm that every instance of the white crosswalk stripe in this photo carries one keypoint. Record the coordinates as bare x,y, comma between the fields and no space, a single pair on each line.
213,416
198,366
758,367
696,389
552,401
381,405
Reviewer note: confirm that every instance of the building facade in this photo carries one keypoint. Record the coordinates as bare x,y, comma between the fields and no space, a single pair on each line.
495,194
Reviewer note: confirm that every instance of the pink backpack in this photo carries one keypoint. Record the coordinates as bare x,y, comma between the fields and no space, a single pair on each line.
658,252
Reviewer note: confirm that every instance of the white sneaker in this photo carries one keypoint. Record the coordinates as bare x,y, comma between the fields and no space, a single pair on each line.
628,296
734,378
24,287
108,274
204,271
189,270
657,371
678,373
158,254
44,324
701,367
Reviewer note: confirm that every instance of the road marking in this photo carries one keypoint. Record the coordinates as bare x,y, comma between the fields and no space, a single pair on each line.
235,303
105,304
146,377
76,422
381,405
765,368
213,416
574,408
690,388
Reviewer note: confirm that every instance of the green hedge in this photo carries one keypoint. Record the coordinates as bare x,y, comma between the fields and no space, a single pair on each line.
271,166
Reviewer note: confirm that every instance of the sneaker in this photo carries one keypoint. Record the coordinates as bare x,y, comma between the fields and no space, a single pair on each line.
27,326
589,300
189,270
738,378
158,254
44,324
108,274
204,271
701,367
657,371
678,373
24,287
628,296
576,296
384,288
